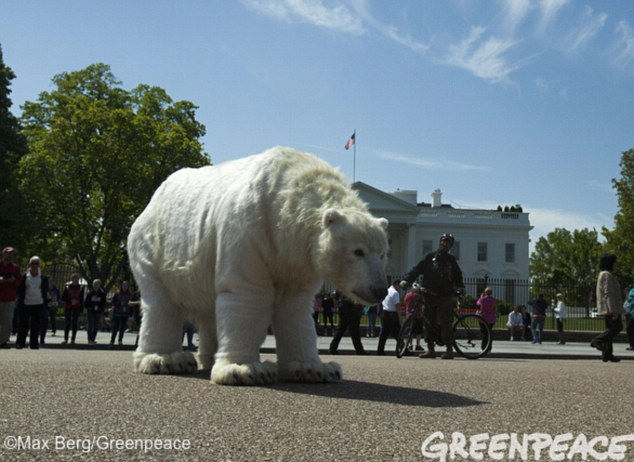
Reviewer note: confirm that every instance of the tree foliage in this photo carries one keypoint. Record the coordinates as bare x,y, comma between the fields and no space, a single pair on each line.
96,154
12,148
620,240
565,259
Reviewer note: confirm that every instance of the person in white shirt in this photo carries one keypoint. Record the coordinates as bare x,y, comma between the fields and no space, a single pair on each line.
515,323
391,324
32,295
560,316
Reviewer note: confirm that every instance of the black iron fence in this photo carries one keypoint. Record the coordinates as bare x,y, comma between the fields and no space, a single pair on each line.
580,300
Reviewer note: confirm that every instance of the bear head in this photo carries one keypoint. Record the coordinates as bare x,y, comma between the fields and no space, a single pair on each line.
352,254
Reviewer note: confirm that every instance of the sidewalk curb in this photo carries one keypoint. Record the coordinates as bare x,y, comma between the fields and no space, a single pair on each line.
350,352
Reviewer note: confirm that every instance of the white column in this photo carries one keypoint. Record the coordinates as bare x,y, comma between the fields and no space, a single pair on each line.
411,258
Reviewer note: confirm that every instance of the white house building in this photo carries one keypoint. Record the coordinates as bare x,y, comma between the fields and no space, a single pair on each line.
489,244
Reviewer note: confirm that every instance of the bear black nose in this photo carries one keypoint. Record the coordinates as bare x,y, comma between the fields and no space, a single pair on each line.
379,292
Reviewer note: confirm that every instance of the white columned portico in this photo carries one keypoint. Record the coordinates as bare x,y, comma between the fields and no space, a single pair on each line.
411,259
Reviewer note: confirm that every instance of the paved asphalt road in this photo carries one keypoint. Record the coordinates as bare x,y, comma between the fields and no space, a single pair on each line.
382,410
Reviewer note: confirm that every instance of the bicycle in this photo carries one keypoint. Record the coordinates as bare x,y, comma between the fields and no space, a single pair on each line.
472,335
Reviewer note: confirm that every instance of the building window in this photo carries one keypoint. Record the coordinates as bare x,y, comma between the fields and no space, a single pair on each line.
509,253
427,246
455,250
482,251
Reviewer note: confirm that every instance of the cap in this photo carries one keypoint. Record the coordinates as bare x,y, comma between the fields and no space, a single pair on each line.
8,250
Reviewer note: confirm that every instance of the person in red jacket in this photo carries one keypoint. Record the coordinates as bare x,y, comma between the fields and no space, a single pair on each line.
10,277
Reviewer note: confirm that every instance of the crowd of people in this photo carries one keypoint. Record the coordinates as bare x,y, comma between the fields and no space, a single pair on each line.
29,304
440,281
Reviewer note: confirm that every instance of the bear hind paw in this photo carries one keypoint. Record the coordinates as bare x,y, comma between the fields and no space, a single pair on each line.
296,371
179,362
257,373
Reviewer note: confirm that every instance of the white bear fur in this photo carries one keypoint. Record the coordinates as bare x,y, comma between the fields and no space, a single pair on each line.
244,245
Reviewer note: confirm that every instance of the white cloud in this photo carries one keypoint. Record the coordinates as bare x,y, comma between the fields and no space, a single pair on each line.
483,58
549,10
387,30
337,17
405,40
515,12
589,25
429,164
624,46
313,12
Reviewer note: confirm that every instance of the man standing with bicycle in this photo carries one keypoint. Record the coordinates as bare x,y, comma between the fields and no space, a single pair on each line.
441,278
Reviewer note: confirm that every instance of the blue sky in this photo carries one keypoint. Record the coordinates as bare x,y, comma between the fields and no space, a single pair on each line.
496,102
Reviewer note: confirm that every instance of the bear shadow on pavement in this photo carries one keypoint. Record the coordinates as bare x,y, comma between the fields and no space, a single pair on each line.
367,391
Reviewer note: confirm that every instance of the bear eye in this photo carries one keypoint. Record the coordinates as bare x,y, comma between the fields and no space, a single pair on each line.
359,253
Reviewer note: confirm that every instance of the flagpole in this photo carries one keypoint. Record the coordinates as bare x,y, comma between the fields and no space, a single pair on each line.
354,156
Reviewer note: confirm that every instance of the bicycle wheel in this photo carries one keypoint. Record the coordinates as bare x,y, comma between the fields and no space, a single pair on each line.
472,336
405,337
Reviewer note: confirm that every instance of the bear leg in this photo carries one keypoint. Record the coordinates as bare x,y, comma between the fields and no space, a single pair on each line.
296,342
160,349
242,319
207,344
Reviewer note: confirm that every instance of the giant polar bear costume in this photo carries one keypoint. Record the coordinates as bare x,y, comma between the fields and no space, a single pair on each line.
244,245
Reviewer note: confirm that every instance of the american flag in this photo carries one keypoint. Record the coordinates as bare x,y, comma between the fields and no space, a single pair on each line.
350,142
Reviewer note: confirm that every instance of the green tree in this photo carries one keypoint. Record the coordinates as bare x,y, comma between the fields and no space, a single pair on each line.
96,154
12,148
620,240
567,262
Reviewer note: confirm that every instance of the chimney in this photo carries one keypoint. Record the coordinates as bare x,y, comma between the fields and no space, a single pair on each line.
436,198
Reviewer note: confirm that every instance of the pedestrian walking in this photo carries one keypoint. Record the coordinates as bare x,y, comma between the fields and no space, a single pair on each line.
486,308
54,297
10,278
391,324
73,298
610,306
32,294
120,312
95,304
560,316
349,319
629,315
540,305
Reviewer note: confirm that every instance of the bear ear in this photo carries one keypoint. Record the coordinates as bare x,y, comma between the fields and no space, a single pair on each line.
383,222
331,216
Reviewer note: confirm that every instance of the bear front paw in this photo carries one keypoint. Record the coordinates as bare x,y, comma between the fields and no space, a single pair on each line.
310,372
179,362
244,374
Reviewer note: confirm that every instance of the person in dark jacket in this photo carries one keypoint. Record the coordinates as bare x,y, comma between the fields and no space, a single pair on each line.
441,279
32,294
540,305
120,312
349,319
95,305
73,297
327,307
